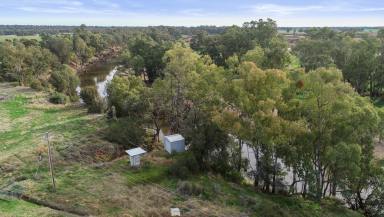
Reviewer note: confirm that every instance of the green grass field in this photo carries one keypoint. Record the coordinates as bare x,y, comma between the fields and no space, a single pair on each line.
19,208
90,179
11,37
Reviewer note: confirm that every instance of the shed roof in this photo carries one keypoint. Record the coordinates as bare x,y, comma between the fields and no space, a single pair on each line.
175,212
174,138
135,151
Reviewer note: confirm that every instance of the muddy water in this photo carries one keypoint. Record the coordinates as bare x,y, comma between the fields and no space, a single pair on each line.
98,75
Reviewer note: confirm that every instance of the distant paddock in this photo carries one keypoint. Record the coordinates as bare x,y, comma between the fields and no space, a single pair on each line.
11,37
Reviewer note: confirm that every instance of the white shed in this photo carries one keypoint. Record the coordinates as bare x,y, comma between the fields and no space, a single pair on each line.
174,143
135,155
175,212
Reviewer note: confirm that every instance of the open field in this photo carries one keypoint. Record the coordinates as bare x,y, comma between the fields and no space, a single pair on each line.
94,177
12,208
11,37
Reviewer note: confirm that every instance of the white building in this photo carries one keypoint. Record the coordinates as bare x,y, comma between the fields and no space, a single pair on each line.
174,143
135,155
175,212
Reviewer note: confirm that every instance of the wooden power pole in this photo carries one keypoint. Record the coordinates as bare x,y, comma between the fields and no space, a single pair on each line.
50,161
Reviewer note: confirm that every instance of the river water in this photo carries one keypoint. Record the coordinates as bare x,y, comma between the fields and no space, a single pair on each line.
98,75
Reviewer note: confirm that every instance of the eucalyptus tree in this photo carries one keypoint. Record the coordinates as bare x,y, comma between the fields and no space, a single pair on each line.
338,120
253,98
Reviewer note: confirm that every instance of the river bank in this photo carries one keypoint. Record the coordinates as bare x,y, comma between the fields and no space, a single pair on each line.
99,58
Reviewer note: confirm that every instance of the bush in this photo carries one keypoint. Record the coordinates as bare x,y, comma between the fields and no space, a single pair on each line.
91,98
233,176
184,166
98,106
58,98
128,95
178,170
126,131
65,81
189,188
36,84
89,94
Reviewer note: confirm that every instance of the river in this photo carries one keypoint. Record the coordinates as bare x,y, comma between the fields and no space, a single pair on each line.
98,75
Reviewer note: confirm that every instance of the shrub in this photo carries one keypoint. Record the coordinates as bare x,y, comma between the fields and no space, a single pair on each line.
233,176
36,84
185,165
98,106
128,95
91,98
178,170
126,131
88,94
58,98
65,81
189,188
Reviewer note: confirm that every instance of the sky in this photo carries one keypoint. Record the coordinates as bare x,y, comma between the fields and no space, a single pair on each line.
192,12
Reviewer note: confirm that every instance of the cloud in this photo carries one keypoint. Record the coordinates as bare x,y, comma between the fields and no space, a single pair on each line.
284,9
277,9
372,9
65,10
68,7
105,3
197,12
186,12
57,2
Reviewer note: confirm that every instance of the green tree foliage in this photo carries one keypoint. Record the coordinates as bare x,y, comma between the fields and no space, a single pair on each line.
256,55
360,59
145,56
82,51
313,123
65,81
24,64
92,99
239,40
31,63
128,95
209,145
337,119
180,71
60,46
374,202
314,54
127,131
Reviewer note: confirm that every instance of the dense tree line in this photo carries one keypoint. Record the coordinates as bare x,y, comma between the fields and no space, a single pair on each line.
309,121
232,89
359,58
23,30
45,64
235,42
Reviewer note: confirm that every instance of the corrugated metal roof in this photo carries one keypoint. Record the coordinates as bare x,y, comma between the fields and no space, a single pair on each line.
174,138
135,151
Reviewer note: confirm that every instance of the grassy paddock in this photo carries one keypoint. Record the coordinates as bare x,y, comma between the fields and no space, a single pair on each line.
19,208
11,37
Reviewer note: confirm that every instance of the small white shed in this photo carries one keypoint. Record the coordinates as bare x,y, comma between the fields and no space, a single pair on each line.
135,155
174,143
175,212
